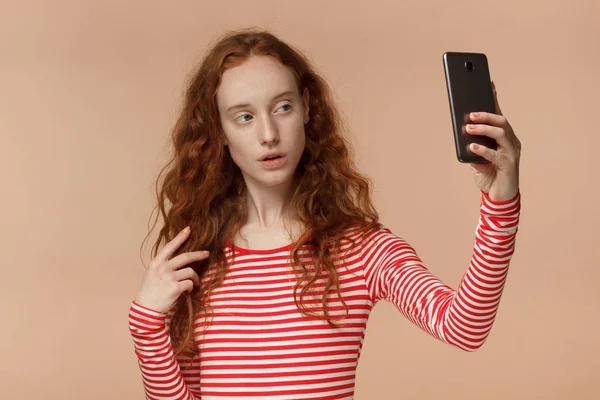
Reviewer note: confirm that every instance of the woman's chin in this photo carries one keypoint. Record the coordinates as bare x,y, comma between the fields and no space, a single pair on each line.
271,180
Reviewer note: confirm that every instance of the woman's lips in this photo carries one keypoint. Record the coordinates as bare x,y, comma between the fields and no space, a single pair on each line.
274,163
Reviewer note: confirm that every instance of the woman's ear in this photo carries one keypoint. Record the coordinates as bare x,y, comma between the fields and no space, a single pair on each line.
306,98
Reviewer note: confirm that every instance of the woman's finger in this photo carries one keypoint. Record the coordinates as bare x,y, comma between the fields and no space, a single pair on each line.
186,286
169,249
494,132
187,273
483,117
186,258
485,152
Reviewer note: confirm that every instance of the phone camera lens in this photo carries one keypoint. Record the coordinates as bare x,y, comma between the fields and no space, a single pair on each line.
469,65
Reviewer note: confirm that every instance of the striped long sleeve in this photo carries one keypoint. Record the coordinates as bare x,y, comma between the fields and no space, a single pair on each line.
462,317
164,376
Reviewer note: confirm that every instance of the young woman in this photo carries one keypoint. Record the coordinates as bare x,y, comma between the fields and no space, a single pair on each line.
266,292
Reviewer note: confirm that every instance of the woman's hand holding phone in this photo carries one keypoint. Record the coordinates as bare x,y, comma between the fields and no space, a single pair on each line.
499,178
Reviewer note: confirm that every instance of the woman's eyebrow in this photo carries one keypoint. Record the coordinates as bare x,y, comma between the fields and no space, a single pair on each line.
244,105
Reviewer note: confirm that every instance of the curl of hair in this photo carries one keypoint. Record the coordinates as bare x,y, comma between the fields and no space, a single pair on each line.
203,188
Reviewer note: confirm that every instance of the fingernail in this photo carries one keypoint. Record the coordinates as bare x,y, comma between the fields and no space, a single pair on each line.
474,146
186,230
475,115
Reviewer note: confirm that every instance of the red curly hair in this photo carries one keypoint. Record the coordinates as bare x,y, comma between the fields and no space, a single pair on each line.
204,188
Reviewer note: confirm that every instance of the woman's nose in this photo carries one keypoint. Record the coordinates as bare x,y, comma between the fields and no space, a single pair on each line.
269,133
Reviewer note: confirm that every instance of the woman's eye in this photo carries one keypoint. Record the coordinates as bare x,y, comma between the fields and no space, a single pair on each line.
248,117
242,116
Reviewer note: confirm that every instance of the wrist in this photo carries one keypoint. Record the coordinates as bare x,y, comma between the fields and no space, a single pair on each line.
506,196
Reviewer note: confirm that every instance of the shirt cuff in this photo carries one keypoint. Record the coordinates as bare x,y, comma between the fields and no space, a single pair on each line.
146,316
501,209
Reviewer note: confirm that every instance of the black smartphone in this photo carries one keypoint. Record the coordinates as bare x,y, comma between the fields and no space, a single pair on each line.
469,90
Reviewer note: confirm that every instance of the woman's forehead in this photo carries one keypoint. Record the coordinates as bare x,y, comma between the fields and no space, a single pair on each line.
258,78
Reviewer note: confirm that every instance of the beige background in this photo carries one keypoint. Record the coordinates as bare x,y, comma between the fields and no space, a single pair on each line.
89,91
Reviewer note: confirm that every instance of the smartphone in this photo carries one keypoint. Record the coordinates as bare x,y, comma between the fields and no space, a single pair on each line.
469,89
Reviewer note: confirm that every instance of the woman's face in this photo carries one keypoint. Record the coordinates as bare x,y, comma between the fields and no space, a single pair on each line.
262,112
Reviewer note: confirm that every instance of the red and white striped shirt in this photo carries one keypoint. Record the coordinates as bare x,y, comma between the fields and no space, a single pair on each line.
259,345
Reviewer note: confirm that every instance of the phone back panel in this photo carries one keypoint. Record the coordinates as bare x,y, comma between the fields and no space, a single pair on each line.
469,90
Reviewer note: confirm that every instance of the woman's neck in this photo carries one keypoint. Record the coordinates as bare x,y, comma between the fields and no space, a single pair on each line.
269,207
